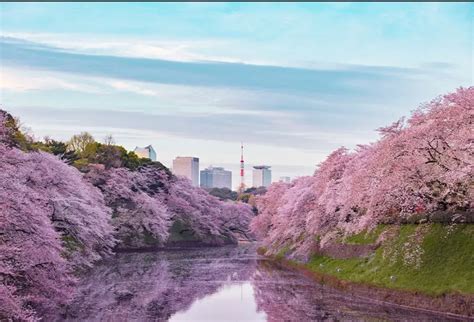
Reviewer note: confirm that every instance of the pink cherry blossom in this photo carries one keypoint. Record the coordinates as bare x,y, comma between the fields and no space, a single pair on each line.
418,167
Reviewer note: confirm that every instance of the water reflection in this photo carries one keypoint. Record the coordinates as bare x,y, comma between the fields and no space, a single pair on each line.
234,302
227,283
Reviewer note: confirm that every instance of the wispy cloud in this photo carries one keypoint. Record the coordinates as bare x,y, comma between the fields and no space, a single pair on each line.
352,79
299,107
257,129
138,47
21,80
302,78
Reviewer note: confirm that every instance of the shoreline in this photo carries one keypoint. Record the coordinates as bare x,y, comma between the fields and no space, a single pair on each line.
452,305
179,246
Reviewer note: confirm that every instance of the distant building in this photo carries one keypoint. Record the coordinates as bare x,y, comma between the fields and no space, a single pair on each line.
187,167
285,179
262,176
146,152
216,177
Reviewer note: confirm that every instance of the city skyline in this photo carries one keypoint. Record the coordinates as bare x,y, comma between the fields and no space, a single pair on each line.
234,168
197,79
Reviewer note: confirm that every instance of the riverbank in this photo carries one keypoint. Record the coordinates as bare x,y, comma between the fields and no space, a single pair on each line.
428,266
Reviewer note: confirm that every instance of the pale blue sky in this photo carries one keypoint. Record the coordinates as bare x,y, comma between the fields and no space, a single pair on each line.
292,80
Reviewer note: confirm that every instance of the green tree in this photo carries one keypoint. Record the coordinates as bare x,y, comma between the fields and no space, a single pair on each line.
16,136
57,148
82,144
223,193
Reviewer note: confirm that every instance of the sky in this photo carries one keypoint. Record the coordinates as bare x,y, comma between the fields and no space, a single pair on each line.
293,81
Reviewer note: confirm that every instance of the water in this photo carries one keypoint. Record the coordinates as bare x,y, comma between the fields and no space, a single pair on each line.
216,284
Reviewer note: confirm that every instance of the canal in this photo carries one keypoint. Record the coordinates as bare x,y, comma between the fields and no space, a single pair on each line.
217,284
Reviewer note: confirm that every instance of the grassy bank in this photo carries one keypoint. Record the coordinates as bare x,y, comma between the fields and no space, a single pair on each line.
433,259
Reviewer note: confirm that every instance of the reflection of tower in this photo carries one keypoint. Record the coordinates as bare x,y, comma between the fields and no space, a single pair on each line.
242,171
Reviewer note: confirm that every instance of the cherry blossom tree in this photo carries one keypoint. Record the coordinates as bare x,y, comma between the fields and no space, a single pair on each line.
33,274
152,208
418,167
208,219
51,223
55,220
75,208
139,214
268,205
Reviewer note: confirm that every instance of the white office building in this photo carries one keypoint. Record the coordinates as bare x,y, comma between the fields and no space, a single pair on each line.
216,177
262,176
146,152
187,167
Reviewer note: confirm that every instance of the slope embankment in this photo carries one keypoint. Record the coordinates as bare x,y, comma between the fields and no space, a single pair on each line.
428,266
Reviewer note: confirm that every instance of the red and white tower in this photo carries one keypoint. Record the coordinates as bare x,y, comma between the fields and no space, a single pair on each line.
242,169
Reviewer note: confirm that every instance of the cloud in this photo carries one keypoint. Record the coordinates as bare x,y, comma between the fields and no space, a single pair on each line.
131,87
257,129
138,47
184,76
369,81
313,109
21,80
305,108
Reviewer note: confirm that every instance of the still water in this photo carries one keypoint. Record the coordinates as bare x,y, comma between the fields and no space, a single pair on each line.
216,284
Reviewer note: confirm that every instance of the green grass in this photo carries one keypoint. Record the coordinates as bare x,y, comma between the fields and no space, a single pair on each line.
365,237
447,261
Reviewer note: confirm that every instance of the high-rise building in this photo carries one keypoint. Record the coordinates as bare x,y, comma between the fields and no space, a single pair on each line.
285,179
146,152
187,167
216,177
262,176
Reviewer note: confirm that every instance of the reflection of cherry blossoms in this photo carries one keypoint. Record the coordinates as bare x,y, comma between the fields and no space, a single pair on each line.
154,286
157,285
286,295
